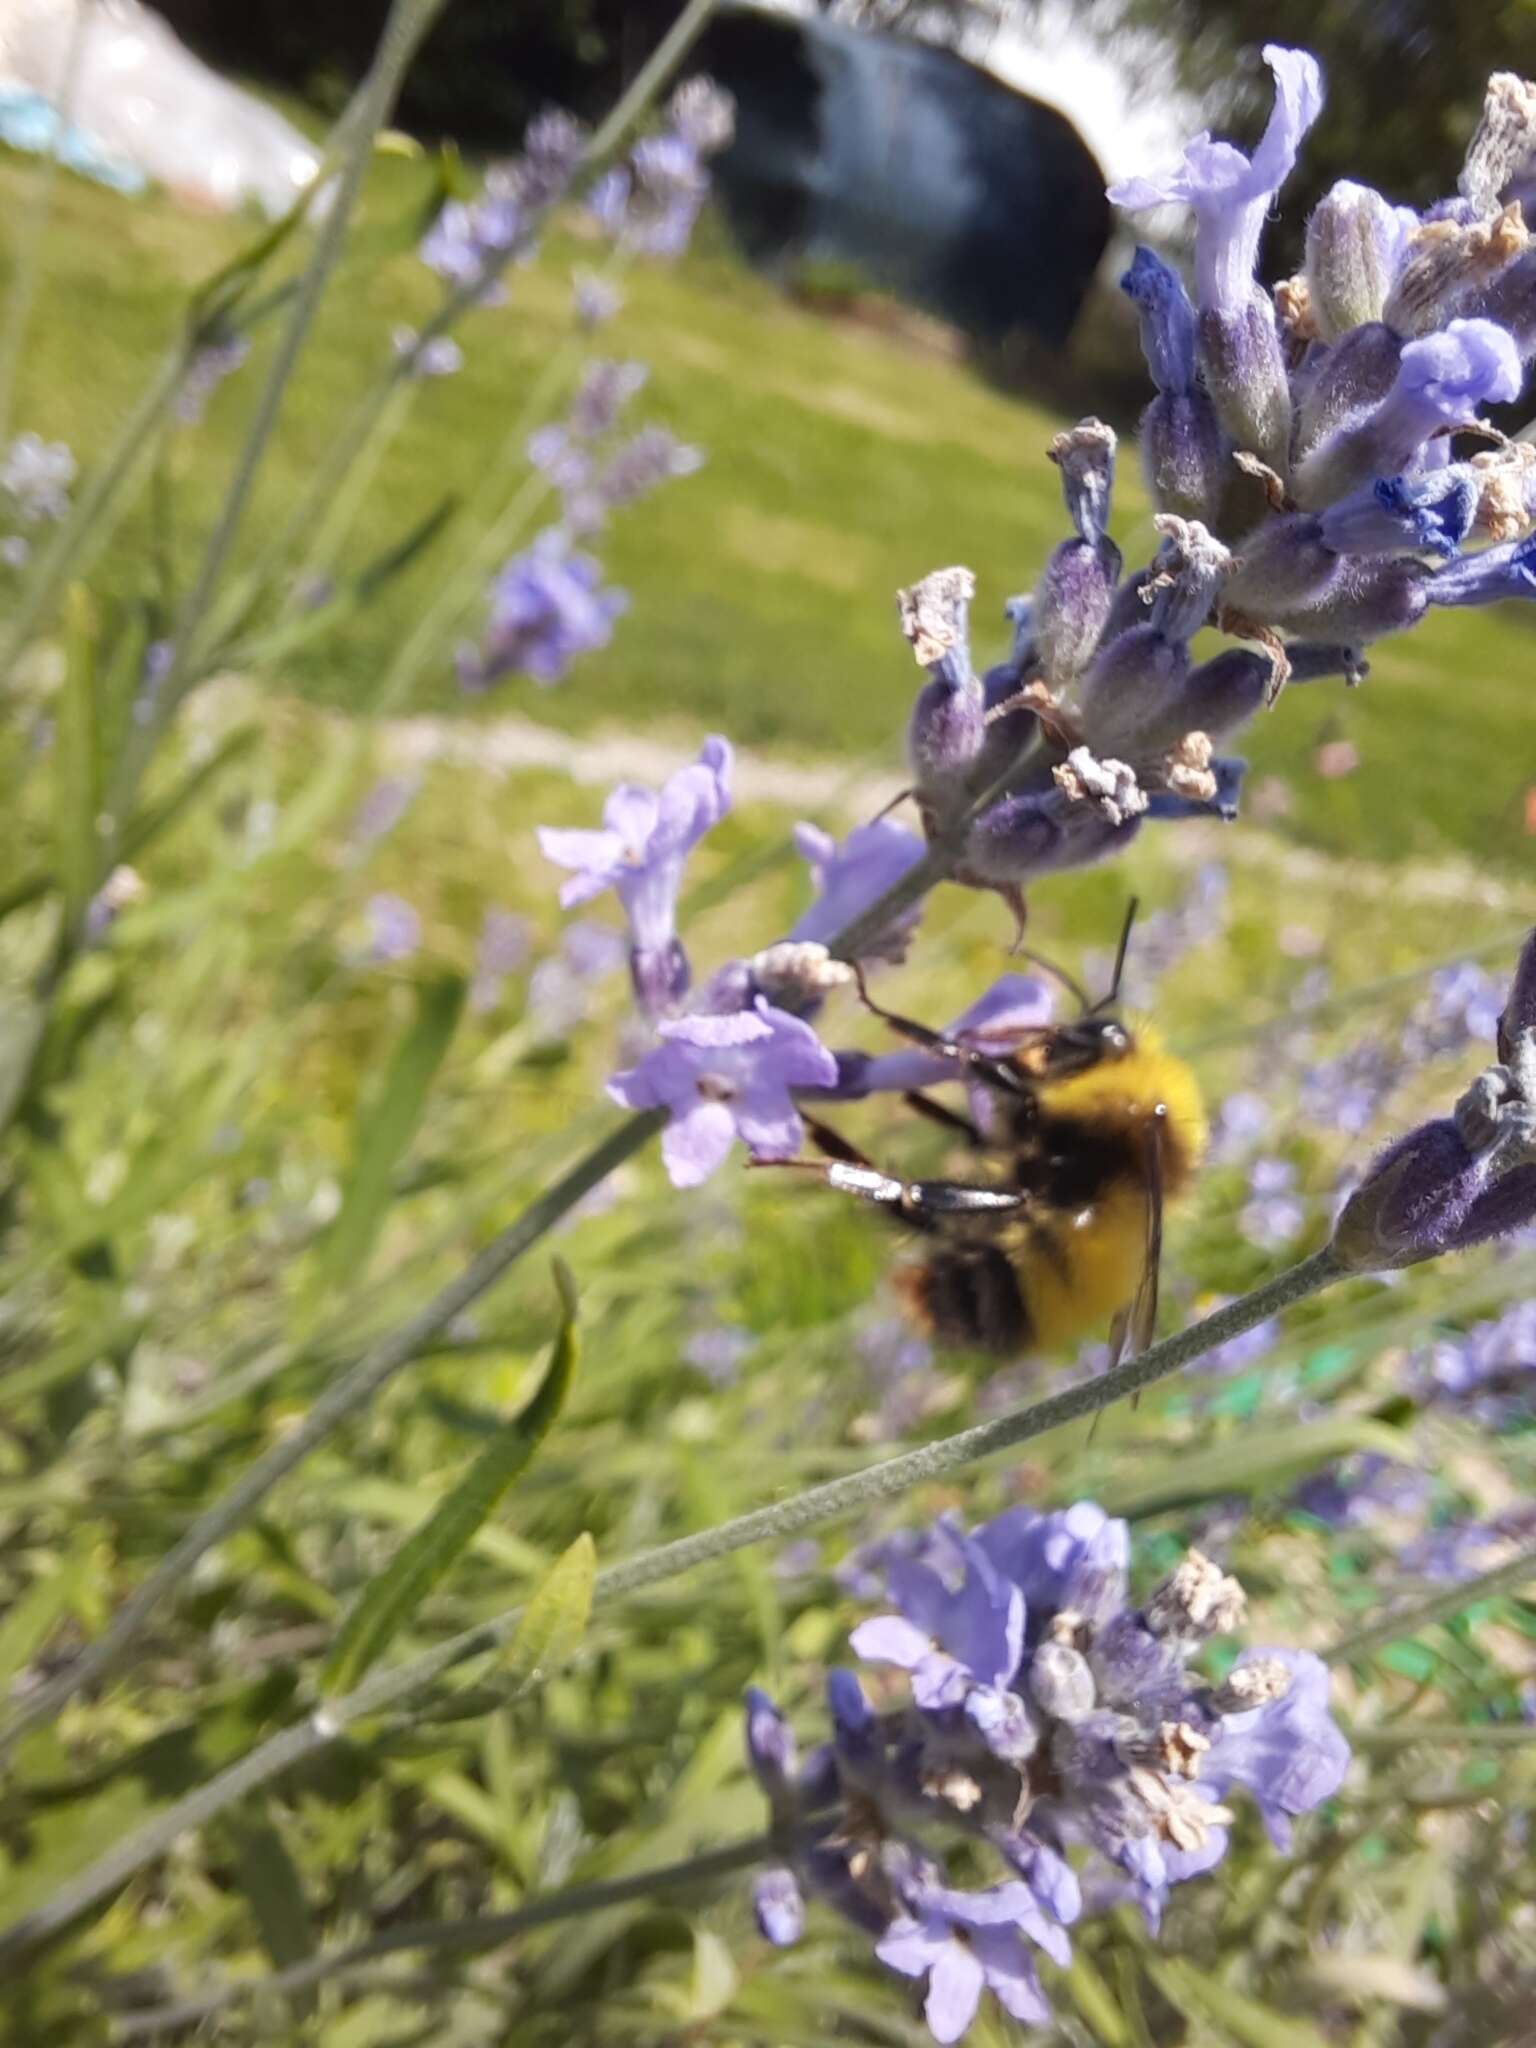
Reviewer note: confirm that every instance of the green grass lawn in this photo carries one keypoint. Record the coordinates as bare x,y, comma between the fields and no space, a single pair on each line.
841,463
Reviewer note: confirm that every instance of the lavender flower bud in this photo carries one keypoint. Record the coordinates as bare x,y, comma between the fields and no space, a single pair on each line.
1354,248
1085,455
1034,834
1452,266
1354,376
1372,596
1060,1682
1196,1600
778,1907
1186,457
949,719
1519,1012
1071,606
1245,372
1502,144
1285,565
1510,299
1167,321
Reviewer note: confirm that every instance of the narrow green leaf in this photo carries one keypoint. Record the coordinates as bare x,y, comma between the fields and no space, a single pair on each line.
385,1130
388,1601
39,1610
77,760
274,1888
1202,1997
557,1615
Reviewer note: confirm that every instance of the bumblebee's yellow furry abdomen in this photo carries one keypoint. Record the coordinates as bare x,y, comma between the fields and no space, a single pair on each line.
1079,1272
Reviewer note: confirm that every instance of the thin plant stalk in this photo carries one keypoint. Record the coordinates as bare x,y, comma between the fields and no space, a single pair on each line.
407,23
817,1505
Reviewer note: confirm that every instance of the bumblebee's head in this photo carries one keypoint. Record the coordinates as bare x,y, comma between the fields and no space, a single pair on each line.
1086,1042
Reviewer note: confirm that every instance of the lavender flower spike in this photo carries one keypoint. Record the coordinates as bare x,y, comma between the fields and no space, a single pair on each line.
1460,1180
640,851
721,1078
1231,193
1087,1732
547,608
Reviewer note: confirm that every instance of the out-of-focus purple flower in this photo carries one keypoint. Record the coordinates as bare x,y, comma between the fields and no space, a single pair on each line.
1274,1215
1230,193
558,985
719,1352
36,475
1460,1550
1347,1093
607,200
640,852
1487,1373
721,1078
440,357
1460,1008
1362,1489
594,300
605,391
210,365
505,942
1240,1121
381,810
394,929
703,114
851,876
547,609
1048,1717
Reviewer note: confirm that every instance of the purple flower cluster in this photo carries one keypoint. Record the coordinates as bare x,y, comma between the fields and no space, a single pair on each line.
1052,1730
1487,1373
651,204
725,1067
547,607
1300,451
471,241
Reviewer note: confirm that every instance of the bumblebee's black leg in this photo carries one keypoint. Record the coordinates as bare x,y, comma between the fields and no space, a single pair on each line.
941,1113
918,1202
996,1073
833,1143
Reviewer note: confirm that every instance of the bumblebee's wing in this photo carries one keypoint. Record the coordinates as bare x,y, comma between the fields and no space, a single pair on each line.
1135,1327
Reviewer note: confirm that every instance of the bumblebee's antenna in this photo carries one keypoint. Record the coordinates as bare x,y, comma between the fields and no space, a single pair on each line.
1069,982
1108,1002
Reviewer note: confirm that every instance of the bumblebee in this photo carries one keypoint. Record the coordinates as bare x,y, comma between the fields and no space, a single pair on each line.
1083,1131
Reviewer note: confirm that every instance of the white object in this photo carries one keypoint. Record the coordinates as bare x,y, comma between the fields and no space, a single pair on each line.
116,71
